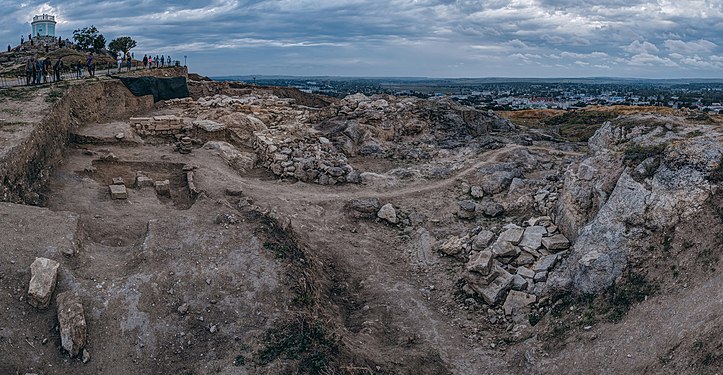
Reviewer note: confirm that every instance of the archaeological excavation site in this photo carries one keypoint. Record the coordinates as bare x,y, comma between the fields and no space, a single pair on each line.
159,222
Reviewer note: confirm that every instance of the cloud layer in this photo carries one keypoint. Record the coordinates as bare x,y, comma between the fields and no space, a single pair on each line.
438,38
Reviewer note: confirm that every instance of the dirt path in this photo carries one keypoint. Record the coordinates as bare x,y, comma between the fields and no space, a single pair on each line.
315,194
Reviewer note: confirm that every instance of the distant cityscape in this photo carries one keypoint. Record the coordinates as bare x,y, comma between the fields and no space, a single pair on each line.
519,94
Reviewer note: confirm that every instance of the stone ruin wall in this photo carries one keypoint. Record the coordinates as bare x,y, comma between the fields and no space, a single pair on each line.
308,159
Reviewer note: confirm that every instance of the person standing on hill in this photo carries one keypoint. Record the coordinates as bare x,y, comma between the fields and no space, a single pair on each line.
22,39
58,69
129,61
163,61
47,65
145,61
38,71
119,59
150,62
156,60
89,65
29,71
79,67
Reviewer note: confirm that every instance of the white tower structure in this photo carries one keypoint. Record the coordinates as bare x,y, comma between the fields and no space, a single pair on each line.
43,25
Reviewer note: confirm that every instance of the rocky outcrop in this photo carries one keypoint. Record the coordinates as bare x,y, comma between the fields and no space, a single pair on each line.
673,189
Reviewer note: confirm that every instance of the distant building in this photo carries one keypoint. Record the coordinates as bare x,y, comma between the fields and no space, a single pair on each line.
43,25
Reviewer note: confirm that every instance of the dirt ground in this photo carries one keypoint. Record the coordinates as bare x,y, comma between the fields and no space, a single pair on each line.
207,283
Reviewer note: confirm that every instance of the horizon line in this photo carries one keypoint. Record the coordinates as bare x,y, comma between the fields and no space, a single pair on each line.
462,78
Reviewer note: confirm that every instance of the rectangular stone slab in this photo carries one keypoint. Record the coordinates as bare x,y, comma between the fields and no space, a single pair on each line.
533,237
556,243
118,192
44,274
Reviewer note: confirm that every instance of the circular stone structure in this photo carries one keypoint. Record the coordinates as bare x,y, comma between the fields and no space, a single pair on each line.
43,25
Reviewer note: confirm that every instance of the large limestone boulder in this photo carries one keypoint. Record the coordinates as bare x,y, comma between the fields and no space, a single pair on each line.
43,276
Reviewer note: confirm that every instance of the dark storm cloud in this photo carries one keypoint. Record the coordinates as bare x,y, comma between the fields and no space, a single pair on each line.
408,37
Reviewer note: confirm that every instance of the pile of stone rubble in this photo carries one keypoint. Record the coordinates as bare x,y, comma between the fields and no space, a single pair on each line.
519,259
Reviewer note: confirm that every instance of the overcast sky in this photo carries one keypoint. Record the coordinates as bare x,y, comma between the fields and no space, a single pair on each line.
432,38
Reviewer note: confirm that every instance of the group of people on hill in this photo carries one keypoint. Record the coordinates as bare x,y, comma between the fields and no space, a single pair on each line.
37,70
124,59
149,61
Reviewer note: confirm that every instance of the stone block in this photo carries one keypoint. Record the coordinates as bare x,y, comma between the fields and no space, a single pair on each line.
482,263
144,181
519,282
532,237
525,272
545,263
71,318
482,240
163,187
43,275
540,277
493,292
118,192
505,249
513,234
556,243
118,181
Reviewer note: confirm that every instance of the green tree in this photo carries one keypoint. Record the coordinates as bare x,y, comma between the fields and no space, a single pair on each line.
89,37
123,44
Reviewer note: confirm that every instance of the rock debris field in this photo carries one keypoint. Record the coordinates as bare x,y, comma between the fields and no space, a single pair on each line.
262,230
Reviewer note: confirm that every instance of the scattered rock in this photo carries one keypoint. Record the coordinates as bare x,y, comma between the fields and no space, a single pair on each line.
452,246
86,356
388,213
183,309
482,240
118,181
72,323
467,210
120,136
517,301
476,192
365,207
43,276
491,209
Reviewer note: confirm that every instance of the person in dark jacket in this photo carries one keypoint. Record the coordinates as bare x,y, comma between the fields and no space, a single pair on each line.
58,69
